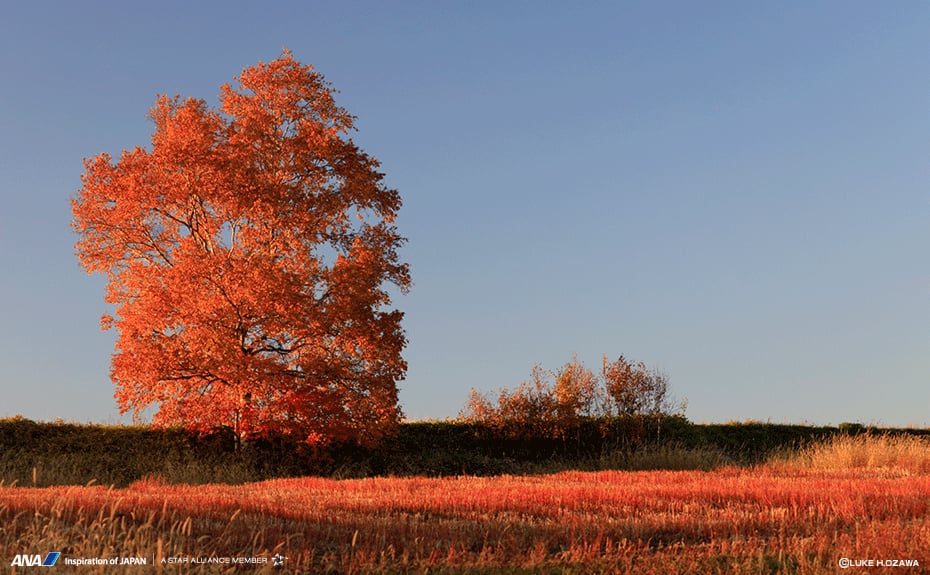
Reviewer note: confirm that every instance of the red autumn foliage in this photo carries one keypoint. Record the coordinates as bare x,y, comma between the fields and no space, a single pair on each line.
247,254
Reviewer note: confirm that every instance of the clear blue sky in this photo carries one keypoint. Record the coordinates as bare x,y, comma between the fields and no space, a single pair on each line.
736,192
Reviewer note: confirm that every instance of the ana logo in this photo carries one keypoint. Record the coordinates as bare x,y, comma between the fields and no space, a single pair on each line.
36,560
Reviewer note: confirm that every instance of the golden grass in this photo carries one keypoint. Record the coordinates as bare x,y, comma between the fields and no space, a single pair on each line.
857,497
730,520
883,454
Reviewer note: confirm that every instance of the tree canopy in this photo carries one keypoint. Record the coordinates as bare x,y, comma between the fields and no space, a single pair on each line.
248,253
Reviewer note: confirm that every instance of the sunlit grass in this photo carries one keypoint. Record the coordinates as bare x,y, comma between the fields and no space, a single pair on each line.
730,520
659,508
885,453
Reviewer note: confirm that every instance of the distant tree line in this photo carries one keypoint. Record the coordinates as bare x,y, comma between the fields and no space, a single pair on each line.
574,392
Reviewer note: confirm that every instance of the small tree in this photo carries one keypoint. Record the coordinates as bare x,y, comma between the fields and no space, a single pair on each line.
530,409
531,403
247,253
576,391
636,390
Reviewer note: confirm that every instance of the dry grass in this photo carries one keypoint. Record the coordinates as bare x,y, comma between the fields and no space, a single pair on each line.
730,520
882,454
669,457
857,497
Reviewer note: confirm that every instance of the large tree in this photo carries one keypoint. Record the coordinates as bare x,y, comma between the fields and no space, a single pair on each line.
248,253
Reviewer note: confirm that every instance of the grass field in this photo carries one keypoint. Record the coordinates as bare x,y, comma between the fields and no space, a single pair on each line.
861,500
